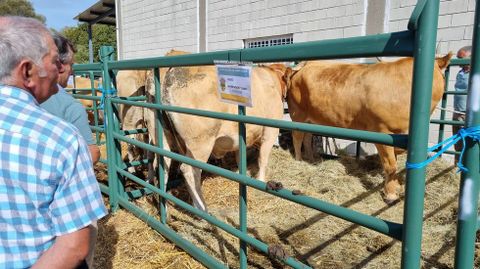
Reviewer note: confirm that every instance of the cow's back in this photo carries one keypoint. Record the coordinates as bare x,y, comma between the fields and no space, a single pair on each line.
359,96
196,88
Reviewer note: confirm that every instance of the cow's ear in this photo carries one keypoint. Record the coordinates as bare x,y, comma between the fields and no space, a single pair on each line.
444,61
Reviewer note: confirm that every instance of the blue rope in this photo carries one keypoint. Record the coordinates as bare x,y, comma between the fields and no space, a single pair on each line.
473,132
112,91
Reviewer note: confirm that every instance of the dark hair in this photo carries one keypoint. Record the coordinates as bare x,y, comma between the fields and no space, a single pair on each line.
65,47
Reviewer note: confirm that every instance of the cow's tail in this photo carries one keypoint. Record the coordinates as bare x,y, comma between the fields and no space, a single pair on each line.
177,144
169,128
288,75
444,61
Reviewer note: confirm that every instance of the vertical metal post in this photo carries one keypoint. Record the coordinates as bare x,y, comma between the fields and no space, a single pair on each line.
111,123
424,54
469,184
90,44
112,174
441,128
95,107
242,167
202,25
119,29
159,128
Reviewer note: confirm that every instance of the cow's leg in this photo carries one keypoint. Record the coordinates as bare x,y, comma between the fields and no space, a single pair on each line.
149,121
389,163
132,155
154,167
152,138
166,161
199,151
130,121
237,160
308,146
297,138
269,137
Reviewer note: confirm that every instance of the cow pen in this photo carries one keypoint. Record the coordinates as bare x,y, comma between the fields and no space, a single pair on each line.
418,41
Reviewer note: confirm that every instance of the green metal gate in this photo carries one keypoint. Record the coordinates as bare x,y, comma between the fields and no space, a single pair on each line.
418,41
442,121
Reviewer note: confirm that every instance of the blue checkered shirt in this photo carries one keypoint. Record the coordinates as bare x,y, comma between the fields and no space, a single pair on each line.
47,184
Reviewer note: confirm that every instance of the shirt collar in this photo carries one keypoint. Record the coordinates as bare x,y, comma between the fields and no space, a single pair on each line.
17,93
60,88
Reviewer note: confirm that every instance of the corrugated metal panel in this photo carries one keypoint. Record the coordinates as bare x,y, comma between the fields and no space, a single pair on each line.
102,12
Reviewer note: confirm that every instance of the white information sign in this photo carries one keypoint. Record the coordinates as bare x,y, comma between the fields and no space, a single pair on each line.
234,84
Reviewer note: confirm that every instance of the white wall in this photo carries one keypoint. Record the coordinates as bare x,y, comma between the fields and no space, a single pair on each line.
151,27
230,22
455,23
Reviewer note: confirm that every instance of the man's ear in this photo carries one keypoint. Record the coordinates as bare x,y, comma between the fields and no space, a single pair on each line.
26,71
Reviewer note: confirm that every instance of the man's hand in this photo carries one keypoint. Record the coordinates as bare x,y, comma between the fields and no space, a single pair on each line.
95,153
68,251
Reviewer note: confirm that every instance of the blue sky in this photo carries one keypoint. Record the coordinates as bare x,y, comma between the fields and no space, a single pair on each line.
60,13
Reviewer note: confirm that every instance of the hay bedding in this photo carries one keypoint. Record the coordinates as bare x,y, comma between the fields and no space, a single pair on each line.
315,238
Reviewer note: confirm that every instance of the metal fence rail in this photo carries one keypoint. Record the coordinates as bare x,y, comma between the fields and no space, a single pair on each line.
467,223
418,41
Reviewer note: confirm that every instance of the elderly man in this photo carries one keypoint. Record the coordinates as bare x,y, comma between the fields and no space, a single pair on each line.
62,104
49,194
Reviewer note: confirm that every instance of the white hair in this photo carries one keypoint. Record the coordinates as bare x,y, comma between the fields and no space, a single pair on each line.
21,38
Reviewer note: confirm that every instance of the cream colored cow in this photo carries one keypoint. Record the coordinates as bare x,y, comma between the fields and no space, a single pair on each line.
200,137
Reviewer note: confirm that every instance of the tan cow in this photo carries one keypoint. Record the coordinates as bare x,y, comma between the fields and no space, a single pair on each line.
199,137
372,97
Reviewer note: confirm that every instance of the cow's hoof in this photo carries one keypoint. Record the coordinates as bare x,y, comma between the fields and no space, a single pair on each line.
390,198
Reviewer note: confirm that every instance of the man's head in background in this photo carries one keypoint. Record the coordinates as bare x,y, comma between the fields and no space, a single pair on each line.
465,52
66,51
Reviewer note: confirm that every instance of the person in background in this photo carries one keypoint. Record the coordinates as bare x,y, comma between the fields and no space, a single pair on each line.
62,104
49,193
460,101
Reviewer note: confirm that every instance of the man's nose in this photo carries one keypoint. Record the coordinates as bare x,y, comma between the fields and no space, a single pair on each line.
60,67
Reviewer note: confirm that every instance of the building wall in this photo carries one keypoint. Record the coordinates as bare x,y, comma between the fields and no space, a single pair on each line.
455,21
230,22
151,27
